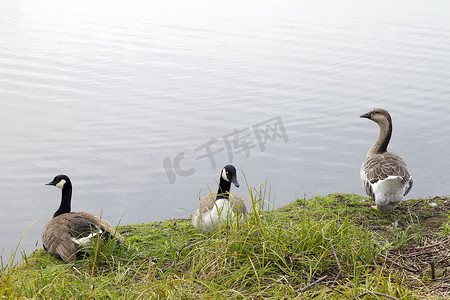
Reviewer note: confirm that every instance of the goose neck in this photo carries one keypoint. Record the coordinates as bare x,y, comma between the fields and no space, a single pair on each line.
382,141
224,189
66,197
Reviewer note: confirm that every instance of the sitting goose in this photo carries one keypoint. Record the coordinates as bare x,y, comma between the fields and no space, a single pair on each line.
217,208
68,232
384,174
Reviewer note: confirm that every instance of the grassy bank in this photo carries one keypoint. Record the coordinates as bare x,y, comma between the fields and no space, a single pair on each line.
332,247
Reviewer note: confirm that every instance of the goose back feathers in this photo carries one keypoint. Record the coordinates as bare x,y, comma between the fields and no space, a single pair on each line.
384,175
69,232
221,207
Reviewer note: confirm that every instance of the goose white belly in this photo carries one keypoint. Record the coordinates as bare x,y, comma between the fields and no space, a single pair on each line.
220,213
388,192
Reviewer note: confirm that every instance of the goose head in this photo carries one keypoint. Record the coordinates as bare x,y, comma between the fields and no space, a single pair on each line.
63,182
384,121
59,181
378,115
229,175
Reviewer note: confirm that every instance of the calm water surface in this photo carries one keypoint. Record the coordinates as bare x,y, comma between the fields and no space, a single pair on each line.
111,94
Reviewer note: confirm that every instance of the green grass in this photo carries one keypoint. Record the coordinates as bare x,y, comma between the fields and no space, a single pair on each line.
330,247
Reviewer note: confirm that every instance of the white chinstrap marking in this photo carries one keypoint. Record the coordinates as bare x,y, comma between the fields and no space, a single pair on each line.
224,175
61,184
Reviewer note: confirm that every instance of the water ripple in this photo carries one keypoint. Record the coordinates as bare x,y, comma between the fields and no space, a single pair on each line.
106,91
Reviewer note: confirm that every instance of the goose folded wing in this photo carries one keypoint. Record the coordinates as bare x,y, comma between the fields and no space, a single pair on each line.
381,166
238,205
58,241
102,224
207,204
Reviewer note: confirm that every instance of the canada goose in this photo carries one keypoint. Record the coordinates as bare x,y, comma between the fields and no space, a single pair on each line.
384,174
68,232
221,206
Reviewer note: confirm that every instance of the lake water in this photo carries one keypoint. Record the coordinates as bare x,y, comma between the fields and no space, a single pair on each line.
127,98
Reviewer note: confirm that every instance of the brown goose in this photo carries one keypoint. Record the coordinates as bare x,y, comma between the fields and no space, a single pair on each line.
384,174
220,207
68,232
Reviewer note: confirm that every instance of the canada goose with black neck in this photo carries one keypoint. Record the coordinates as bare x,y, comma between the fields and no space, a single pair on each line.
68,232
384,174
218,208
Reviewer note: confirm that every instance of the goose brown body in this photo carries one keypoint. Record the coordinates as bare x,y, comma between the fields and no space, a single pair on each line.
61,233
236,203
68,232
384,175
222,206
212,209
380,167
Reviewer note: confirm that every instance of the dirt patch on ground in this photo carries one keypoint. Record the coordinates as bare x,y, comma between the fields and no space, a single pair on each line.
424,260
418,231
426,266
428,214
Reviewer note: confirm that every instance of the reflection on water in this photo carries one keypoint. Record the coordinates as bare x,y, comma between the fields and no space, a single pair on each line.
112,93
